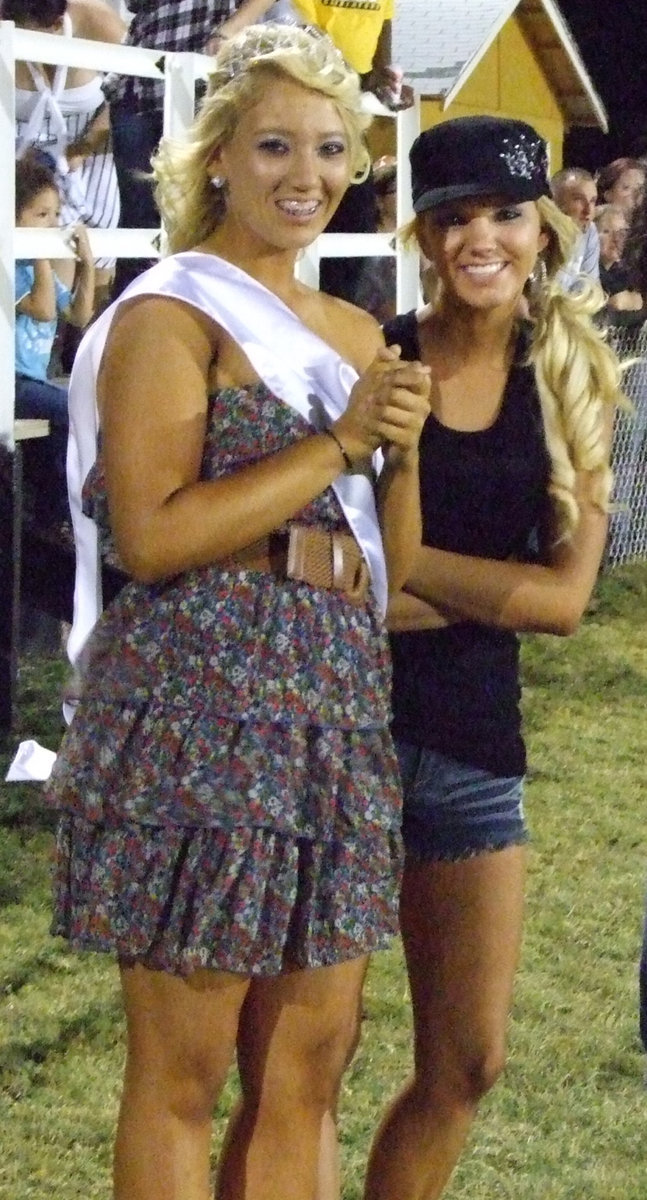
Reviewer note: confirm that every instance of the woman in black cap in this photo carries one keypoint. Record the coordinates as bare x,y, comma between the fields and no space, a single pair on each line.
515,482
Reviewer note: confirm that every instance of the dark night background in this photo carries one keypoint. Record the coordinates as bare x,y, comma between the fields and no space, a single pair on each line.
612,39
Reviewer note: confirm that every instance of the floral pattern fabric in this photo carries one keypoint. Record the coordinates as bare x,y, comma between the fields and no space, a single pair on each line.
228,786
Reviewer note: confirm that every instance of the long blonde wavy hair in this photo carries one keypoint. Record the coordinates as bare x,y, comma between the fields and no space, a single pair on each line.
190,206
578,375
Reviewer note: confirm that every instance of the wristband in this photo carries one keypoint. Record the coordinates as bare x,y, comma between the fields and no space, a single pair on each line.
348,462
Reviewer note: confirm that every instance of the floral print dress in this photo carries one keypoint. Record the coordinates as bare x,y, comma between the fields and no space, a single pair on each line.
228,788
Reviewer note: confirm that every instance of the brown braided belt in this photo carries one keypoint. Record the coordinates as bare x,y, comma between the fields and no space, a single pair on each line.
315,556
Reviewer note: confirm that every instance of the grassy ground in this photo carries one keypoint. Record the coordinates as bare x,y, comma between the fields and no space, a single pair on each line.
568,1121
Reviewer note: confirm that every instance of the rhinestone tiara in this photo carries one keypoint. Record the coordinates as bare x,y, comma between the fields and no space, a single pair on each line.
262,43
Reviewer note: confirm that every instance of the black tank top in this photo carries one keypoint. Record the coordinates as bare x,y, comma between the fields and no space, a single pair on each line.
456,690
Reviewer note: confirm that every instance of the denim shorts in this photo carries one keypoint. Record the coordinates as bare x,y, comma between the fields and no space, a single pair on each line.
453,811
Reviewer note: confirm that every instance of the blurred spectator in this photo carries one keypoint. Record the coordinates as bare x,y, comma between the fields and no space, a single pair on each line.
629,305
575,192
612,226
41,298
385,180
363,34
622,182
375,290
136,105
364,38
62,111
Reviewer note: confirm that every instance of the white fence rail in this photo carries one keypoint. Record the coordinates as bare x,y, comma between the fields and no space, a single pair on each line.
179,73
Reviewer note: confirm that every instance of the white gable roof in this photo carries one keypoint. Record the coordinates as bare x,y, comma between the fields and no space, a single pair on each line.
439,43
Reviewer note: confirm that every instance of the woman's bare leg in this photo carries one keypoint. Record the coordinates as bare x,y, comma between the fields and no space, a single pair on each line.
181,1039
295,1038
461,926
329,1175
329,1170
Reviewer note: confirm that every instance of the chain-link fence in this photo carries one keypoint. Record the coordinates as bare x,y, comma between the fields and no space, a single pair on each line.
627,540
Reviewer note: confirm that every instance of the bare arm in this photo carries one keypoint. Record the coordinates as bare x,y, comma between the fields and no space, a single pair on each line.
398,496
526,597
384,78
153,398
403,387
81,308
399,484
628,301
40,303
97,21
383,56
93,140
407,612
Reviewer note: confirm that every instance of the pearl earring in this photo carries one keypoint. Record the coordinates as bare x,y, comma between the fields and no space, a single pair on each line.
218,181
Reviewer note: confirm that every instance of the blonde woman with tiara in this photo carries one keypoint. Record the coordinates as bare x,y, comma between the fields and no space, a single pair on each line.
514,489
230,812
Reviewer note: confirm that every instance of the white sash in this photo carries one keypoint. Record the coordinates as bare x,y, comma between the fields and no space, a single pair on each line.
295,364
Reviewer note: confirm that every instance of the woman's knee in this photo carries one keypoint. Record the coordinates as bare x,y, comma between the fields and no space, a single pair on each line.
308,1073
328,1058
185,1084
459,1074
303,1056
482,1072
180,1039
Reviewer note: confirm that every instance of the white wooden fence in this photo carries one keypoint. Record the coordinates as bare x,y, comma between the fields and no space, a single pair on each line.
180,73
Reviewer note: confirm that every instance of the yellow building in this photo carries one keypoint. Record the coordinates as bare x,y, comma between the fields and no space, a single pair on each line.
513,58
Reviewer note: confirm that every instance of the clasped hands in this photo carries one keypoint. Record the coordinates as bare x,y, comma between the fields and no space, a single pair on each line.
387,408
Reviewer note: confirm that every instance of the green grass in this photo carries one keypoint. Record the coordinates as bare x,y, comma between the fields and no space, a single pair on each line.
569,1120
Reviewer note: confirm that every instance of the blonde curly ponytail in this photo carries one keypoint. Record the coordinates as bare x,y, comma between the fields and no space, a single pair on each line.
578,378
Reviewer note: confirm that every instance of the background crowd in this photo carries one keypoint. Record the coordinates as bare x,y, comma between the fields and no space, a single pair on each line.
97,135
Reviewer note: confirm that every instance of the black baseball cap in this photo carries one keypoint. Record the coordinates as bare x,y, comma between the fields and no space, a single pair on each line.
478,156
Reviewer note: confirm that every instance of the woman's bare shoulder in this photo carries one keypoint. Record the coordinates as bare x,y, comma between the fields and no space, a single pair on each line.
360,334
162,325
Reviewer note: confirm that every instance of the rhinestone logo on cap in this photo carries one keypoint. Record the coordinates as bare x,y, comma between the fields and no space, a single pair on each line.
524,156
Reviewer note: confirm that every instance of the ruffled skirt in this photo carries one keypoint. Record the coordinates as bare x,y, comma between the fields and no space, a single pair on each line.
246,900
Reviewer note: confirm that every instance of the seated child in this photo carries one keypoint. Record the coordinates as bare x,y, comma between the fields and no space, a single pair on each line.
41,298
